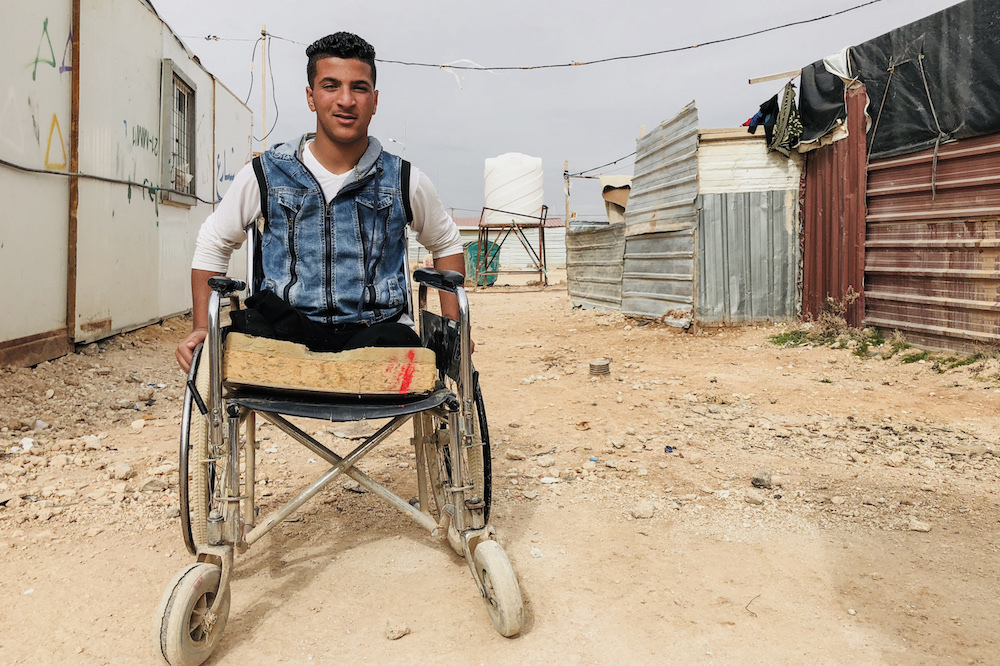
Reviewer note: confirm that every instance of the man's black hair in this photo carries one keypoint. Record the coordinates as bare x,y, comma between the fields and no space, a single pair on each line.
339,45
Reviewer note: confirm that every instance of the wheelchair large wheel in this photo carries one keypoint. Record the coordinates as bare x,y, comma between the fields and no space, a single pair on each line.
194,462
186,633
476,460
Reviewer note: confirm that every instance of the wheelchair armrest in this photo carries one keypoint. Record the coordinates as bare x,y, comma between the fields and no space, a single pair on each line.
439,279
225,285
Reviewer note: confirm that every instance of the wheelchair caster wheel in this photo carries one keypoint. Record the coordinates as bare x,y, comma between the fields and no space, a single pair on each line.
186,632
501,592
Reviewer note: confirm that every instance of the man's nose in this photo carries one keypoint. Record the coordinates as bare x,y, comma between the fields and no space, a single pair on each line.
345,97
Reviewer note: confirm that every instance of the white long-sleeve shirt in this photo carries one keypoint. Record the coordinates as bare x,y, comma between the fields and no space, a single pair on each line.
225,229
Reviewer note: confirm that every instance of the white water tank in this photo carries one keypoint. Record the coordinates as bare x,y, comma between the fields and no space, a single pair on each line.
513,184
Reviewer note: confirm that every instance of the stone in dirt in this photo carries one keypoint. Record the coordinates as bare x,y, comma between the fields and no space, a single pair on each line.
546,461
58,461
395,630
915,525
643,510
895,459
513,454
122,471
153,485
353,486
138,425
762,479
753,497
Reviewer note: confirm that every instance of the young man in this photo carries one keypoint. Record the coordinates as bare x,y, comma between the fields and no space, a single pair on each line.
335,208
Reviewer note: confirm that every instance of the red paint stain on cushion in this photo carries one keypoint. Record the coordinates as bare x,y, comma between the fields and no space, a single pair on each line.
406,373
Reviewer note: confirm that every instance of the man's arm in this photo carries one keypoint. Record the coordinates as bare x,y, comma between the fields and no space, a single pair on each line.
449,303
200,293
223,232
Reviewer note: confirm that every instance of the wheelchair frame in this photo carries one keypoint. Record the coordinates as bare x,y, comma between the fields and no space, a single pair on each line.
450,434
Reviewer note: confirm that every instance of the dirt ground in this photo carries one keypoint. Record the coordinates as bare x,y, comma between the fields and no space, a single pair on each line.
875,542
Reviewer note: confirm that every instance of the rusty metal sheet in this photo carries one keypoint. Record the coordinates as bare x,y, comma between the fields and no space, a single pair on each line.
963,184
665,181
938,282
834,219
594,262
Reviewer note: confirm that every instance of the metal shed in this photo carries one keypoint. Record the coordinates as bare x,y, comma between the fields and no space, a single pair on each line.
711,227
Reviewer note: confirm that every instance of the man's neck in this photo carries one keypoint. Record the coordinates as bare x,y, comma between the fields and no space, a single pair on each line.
335,157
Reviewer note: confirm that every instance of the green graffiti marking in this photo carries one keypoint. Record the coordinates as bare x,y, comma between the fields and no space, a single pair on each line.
38,53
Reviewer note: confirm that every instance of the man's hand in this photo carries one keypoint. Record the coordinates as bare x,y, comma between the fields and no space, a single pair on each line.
185,350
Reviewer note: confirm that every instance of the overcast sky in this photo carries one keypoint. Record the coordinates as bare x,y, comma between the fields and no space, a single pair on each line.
588,115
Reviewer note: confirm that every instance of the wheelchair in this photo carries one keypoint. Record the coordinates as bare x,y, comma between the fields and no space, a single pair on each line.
218,446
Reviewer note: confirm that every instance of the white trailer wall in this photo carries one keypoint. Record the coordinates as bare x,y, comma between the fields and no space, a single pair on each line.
132,247
35,96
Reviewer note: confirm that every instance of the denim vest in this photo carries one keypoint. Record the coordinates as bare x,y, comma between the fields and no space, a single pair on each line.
342,263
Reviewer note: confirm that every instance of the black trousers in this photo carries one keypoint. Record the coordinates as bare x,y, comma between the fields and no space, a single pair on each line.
268,316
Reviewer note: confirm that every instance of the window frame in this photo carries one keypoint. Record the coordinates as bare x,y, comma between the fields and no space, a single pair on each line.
170,76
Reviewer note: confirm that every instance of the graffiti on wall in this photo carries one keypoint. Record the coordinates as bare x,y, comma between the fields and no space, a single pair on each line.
54,131
143,138
46,55
224,175
55,147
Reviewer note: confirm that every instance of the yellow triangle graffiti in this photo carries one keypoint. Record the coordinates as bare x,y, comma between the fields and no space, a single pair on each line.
53,129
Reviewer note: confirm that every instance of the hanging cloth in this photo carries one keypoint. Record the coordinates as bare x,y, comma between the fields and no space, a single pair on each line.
767,116
788,129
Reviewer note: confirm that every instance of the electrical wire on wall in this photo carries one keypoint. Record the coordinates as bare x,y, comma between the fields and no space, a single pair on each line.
152,190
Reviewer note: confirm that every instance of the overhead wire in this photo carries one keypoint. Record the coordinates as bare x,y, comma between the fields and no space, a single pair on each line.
596,61
277,111
580,173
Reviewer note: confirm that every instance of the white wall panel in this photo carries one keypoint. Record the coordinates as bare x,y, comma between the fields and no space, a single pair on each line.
733,160
34,132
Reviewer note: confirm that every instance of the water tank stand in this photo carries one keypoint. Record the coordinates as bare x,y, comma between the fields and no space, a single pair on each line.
517,224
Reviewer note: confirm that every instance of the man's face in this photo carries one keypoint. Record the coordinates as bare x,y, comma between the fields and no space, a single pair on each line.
344,99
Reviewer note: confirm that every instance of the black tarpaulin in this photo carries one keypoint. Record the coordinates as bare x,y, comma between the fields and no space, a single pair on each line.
941,71
821,101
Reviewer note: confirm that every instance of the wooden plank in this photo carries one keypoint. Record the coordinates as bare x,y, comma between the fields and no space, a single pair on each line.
253,361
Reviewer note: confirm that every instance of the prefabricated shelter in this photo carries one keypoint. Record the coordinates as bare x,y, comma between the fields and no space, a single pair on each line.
115,144
512,253
905,210
710,232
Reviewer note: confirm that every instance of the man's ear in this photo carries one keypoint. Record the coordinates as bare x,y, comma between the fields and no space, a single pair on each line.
309,99
375,108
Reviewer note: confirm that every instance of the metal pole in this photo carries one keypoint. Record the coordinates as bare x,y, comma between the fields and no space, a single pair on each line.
566,187
263,87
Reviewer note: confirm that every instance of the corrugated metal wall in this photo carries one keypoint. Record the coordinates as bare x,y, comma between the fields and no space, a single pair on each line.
594,263
834,218
932,265
658,277
748,256
748,229
660,221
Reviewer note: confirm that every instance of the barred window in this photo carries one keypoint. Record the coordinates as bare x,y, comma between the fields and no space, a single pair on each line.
177,131
182,139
